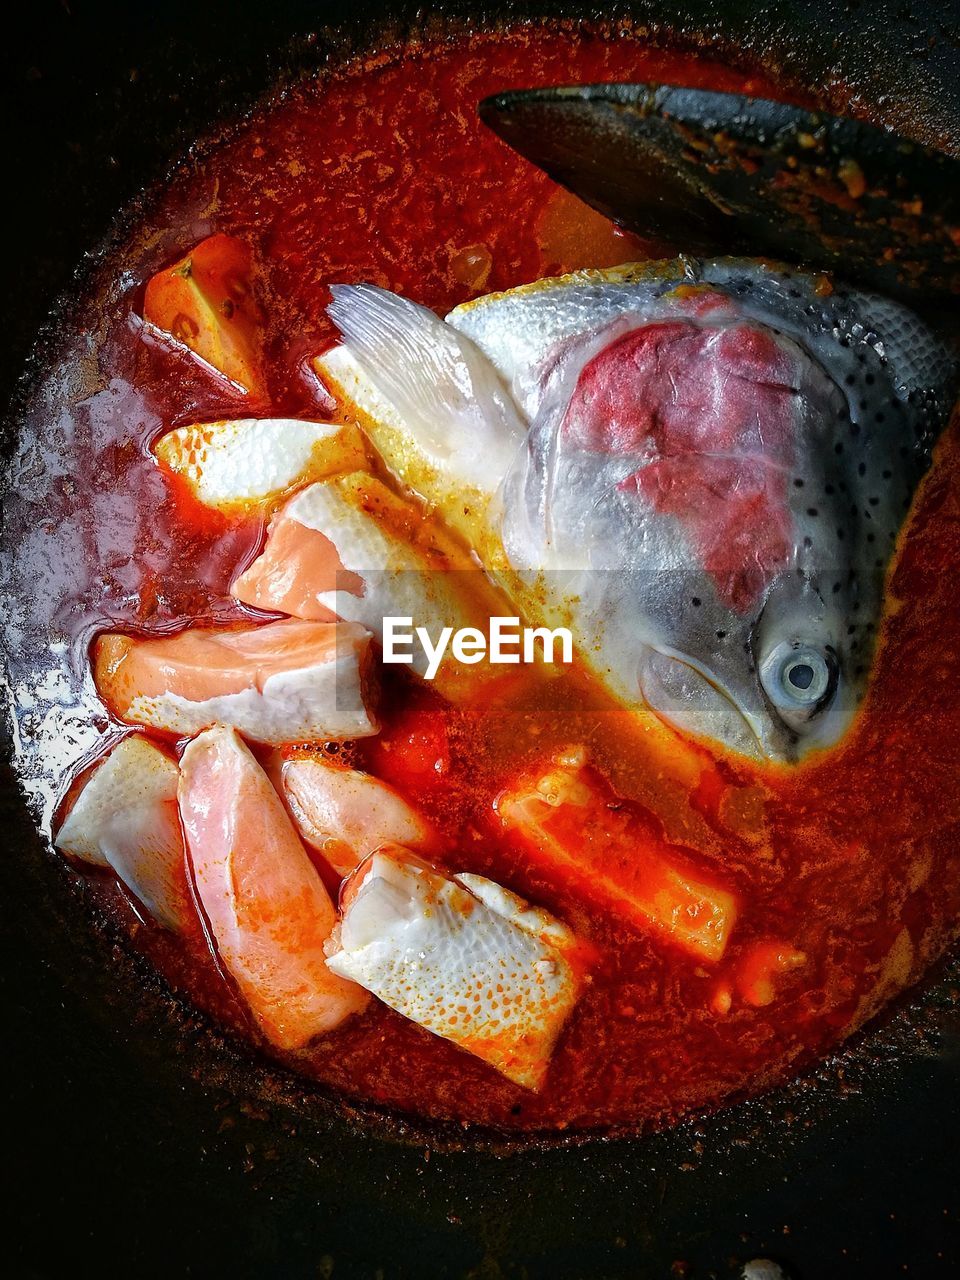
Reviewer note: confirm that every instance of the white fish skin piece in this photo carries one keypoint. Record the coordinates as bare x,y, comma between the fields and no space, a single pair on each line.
446,392
125,818
536,921
250,460
323,701
345,814
480,969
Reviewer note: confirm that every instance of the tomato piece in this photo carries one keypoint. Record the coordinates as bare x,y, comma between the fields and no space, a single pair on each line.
414,752
761,966
206,302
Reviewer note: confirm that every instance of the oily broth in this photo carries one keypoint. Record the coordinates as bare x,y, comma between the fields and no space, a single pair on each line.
381,172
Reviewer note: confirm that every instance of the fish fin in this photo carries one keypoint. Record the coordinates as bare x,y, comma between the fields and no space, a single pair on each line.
448,393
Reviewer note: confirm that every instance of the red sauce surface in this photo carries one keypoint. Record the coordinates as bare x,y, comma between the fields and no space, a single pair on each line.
382,172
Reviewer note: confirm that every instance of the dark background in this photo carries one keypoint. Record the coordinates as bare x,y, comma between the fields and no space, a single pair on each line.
135,1145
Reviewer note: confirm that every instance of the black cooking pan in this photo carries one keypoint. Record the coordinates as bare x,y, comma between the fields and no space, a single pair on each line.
137,1143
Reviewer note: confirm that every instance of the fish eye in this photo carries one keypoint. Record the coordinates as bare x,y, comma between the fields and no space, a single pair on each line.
805,677
799,680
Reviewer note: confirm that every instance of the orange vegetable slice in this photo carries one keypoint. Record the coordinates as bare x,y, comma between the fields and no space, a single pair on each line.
614,853
206,302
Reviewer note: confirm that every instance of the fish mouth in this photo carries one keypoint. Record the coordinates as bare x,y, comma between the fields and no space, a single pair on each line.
693,700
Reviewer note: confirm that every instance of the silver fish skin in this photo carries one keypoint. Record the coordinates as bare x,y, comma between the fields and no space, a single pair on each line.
719,458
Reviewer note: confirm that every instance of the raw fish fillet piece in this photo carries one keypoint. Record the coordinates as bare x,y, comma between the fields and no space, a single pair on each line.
572,826
126,818
205,303
242,464
462,957
265,906
349,547
345,814
288,681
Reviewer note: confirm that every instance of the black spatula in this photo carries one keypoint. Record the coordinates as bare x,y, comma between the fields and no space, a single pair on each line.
719,173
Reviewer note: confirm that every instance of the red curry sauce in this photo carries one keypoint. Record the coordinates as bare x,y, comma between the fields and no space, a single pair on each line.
381,172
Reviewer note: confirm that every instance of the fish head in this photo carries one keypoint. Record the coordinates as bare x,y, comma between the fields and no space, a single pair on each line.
725,456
